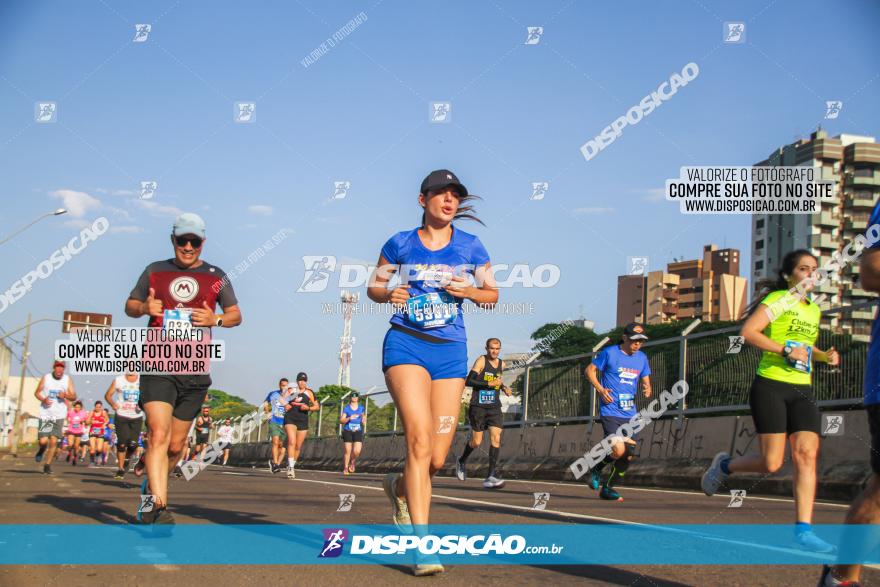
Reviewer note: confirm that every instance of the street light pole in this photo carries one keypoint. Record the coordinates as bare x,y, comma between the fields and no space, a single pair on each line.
57,212
16,424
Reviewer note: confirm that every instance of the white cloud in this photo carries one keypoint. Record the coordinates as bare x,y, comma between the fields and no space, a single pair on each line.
124,193
77,203
261,209
77,224
126,229
593,210
653,194
158,209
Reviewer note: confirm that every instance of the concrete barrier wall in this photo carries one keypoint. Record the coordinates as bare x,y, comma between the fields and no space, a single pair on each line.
671,453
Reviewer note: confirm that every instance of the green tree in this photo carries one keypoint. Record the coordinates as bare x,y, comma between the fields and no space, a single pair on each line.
224,405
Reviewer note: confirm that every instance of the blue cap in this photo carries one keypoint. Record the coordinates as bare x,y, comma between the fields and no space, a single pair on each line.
189,223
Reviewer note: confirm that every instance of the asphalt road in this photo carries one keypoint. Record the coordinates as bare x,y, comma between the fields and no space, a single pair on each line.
219,495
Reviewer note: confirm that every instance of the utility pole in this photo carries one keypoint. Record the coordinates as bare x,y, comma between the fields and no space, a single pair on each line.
18,408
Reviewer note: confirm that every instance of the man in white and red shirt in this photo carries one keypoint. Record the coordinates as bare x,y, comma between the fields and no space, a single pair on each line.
185,290
53,389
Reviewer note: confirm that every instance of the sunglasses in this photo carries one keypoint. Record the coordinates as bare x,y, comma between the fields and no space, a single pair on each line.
194,240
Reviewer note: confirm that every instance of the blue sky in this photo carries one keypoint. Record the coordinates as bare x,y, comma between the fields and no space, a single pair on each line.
163,110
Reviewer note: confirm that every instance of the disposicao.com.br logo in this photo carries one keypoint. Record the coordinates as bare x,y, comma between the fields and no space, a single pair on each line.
432,544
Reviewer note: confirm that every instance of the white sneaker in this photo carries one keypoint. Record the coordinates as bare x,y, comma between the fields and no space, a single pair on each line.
493,483
460,470
291,474
399,508
714,477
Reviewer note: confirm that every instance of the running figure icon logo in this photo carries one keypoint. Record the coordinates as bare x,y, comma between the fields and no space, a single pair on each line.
541,500
533,35
333,542
832,109
736,344
346,501
245,112
736,498
148,189
141,32
45,112
447,424
147,504
317,272
734,32
539,190
441,112
638,266
341,189
832,424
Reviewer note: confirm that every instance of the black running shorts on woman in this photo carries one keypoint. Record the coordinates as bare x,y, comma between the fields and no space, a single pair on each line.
779,407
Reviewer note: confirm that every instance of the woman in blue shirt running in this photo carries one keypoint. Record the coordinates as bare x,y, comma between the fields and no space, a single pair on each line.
424,355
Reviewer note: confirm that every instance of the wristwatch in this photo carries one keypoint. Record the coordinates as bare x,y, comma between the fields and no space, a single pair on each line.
786,350
219,321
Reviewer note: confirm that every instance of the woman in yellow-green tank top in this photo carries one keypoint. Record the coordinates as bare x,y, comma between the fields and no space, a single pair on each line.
785,326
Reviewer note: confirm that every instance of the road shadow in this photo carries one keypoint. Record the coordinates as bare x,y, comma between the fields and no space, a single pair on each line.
611,575
98,510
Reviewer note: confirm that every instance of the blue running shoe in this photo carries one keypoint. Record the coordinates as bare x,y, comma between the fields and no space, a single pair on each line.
594,480
609,493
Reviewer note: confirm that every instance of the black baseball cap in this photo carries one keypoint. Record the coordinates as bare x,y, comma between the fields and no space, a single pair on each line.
302,376
635,331
442,178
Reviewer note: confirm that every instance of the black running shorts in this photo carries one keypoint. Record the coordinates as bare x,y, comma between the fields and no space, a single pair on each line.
127,431
186,393
779,407
481,418
298,418
352,435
